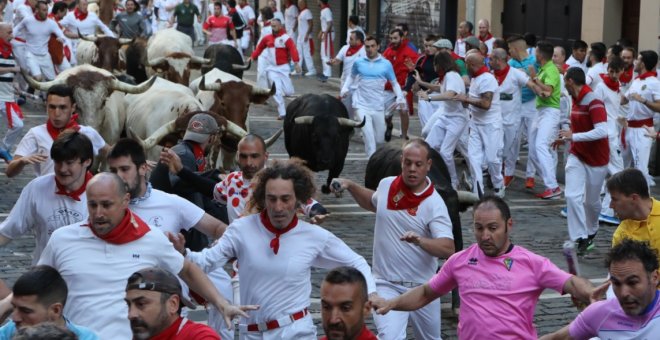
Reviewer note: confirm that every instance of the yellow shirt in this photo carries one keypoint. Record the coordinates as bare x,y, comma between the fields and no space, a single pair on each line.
648,230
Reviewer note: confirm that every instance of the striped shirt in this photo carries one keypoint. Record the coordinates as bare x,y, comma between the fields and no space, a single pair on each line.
7,79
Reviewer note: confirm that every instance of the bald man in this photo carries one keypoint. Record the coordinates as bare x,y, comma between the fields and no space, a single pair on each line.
485,36
486,131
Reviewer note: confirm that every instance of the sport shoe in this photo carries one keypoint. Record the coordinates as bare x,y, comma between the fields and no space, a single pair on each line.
310,74
582,246
507,180
4,154
499,192
564,212
323,78
388,131
590,242
550,193
608,219
529,183
294,73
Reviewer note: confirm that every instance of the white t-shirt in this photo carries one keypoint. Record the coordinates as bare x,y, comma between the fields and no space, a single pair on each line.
38,141
21,11
489,44
166,212
453,82
572,62
280,283
96,273
593,75
349,61
87,26
612,102
290,18
303,25
485,82
37,34
649,89
248,12
326,19
41,211
395,260
510,95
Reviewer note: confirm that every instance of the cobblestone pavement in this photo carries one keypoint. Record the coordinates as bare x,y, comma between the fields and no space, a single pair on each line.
537,224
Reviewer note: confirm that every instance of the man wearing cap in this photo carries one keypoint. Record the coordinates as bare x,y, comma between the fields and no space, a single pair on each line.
154,300
97,255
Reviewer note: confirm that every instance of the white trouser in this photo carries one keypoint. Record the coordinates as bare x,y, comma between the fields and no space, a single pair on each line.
65,65
425,110
222,282
279,75
302,329
582,192
444,136
527,116
615,165
485,145
19,49
198,32
638,151
13,130
348,102
245,39
327,53
262,68
40,65
510,153
306,55
392,326
544,132
373,131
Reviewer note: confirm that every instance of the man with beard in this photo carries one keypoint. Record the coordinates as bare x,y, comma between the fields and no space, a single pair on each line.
39,296
484,34
55,199
633,268
154,300
344,305
129,24
479,271
412,231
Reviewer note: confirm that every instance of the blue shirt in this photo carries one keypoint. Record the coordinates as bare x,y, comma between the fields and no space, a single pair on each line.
527,94
370,76
9,329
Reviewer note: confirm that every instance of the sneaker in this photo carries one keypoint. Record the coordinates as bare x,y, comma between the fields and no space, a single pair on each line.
310,74
499,192
388,131
550,193
529,183
294,73
564,212
507,180
4,154
323,78
608,219
21,100
582,246
590,242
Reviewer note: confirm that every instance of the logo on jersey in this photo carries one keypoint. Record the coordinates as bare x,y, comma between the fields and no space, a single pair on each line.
508,262
62,217
136,256
412,211
156,221
473,261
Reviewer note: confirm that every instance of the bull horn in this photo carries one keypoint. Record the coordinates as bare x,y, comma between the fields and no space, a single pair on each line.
41,85
200,60
242,67
133,89
262,91
351,123
467,197
210,87
91,38
234,129
125,41
156,61
155,137
304,120
271,140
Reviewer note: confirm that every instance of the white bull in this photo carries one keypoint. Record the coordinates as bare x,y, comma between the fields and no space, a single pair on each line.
170,54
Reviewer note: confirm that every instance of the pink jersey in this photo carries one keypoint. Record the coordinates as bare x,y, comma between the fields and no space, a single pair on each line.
606,320
500,292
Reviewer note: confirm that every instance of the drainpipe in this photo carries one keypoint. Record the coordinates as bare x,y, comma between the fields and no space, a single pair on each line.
470,10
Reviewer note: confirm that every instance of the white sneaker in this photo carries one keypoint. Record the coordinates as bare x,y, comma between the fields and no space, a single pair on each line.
499,192
310,74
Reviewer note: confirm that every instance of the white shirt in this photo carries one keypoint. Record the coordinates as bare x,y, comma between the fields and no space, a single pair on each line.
485,82
593,75
612,101
489,44
290,18
326,19
510,95
38,141
41,211
87,26
348,62
280,283
166,212
572,62
395,260
248,12
21,11
453,82
303,25
37,34
649,89
96,273
459,48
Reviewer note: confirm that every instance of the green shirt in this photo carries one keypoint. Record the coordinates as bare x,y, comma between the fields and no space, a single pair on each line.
462,70
185,15
549,75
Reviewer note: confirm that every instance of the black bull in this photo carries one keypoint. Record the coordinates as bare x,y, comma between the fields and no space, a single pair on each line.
225,58
317,129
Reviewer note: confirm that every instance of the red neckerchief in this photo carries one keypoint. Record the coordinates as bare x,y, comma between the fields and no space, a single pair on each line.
626,76
565,68
486,38
36,16
400,197
54,132
480,71
79,15
169,332
455,56
75,195
5,49
200,160
231,11
324,6
275,242
500,75
353,49
583,92
128,230
613,85
646,75
266,23
441,76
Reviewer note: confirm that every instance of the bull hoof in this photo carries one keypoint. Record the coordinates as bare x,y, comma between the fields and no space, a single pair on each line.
325,189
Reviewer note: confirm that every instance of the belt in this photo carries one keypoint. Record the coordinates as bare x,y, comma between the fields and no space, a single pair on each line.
406,284
274,324
640,123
